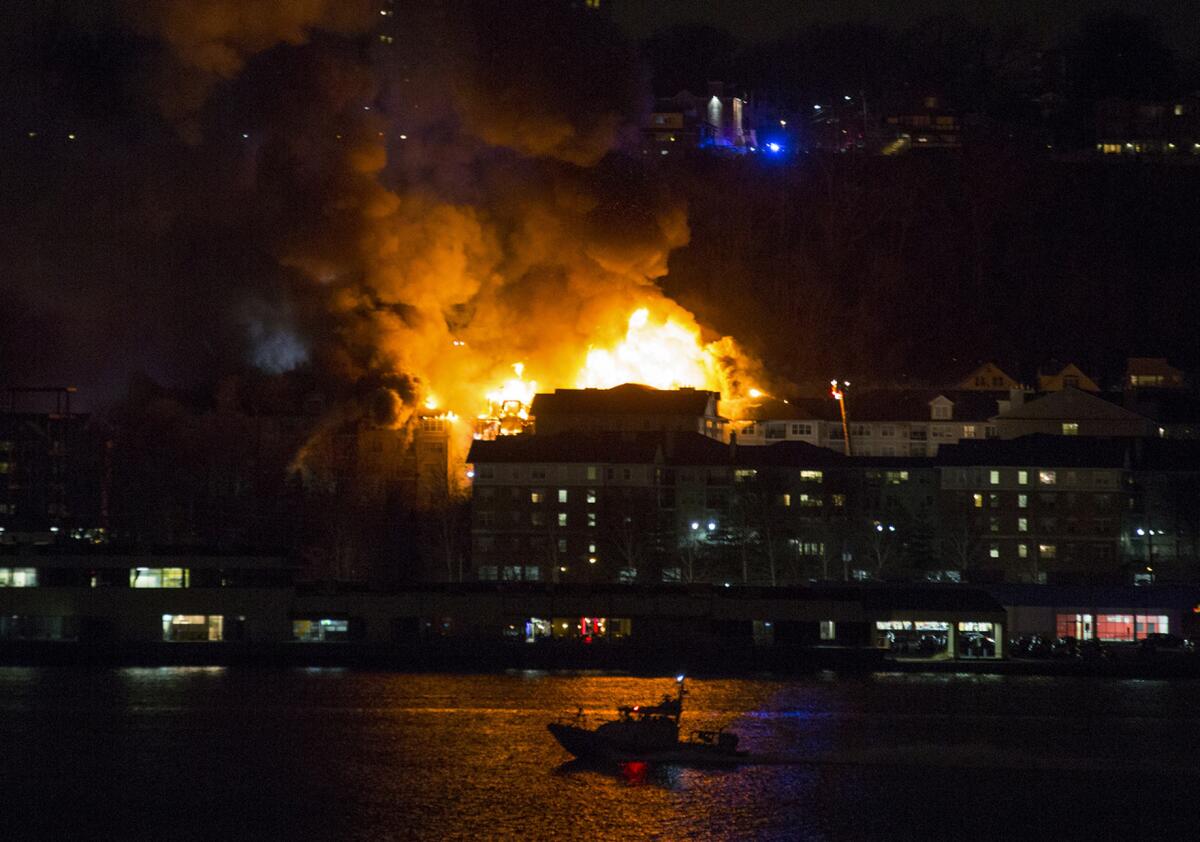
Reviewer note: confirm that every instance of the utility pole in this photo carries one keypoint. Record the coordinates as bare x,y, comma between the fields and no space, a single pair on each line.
838,391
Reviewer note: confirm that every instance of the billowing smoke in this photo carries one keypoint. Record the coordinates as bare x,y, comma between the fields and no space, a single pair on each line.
406,198
210,41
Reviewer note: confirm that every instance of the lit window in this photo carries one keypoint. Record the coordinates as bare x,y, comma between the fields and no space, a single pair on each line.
562,495
993,501
1023,477
562,518
1047,477
591,519
1022,524
994,551
977,499
1047,550
828,630
591,495
591,548
815,476
1022,501
193,627
158,577
1070,428
1115,627
968,431
593,472
839,500
994,477
326,629
1145,624
18,577
1022,550
536,497
786,500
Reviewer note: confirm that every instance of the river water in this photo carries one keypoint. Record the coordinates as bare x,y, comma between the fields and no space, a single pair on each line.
222,753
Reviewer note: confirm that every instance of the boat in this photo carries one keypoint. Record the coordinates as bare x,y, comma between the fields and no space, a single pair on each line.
648,733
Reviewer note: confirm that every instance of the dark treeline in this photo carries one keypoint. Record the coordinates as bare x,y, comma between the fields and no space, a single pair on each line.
887,269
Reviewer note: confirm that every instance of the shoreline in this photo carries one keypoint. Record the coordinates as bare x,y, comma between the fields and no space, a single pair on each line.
477,657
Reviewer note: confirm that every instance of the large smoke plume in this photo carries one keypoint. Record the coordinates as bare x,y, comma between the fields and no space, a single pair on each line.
409,201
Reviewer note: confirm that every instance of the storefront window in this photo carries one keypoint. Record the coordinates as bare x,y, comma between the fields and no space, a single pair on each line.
1145,624
1078,626
18,577
193,627
316,631
1115,627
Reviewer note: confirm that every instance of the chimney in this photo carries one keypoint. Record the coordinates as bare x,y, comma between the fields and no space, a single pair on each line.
1016,398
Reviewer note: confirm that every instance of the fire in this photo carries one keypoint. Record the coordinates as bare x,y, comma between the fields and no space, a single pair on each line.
665,351
664,354
514,391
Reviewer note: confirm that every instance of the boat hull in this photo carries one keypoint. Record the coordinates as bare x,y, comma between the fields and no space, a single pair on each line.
587,745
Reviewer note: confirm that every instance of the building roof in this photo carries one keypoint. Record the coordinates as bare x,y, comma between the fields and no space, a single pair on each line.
1097,597
1167,406
1051,451
1150,365
894,597
627,399
794,454
1069,404
676,448
897,405
914,404
774,409
1039,450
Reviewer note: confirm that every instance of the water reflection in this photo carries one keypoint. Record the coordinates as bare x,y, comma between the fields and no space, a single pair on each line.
632,773
362,755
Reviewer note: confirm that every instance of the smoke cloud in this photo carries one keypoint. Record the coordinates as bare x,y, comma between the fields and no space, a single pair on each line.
404,204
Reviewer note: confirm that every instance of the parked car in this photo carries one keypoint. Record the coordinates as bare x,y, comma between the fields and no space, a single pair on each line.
1094,650
977,645
1163,642
1030,646
1065,647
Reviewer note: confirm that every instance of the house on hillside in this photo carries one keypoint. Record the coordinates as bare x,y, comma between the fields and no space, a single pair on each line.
1068,375
988,378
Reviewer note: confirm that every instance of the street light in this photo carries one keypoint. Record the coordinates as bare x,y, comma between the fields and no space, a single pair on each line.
837,390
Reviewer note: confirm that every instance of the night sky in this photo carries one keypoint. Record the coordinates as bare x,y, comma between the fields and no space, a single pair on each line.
764,20
189,193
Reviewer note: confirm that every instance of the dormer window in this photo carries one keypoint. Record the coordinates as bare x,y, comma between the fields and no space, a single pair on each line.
941,411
